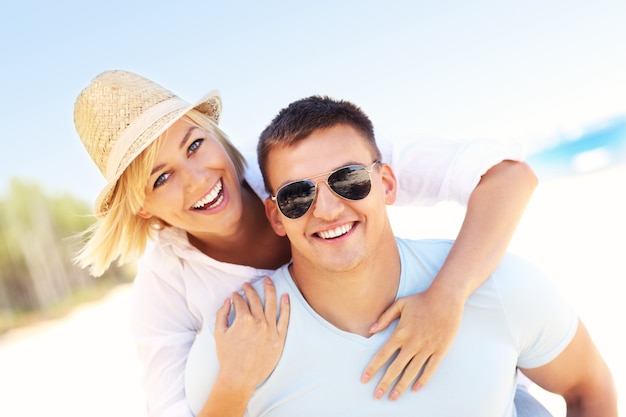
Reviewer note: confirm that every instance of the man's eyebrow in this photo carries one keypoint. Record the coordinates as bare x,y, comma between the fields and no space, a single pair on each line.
180,146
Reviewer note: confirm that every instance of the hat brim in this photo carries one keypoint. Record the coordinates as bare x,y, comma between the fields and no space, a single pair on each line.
210,101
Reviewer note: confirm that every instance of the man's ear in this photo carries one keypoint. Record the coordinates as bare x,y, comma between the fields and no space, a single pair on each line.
390,184
144,214
274,216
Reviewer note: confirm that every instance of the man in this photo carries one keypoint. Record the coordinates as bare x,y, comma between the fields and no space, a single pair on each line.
329,194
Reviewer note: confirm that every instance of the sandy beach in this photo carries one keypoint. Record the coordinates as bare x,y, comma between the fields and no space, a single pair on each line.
574,229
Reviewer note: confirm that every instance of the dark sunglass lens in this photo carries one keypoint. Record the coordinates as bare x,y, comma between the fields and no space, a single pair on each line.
352,183
295,199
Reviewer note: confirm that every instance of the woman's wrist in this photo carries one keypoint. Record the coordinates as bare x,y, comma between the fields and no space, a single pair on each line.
450,288
236,386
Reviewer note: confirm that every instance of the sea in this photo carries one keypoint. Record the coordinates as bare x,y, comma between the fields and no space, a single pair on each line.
599,147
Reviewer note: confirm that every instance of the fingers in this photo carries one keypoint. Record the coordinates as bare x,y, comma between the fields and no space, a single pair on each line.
419,368
254,301
270,299
283,319
408,365
240,305
428,371
221,317
389,315
381,357
408,368
271,307
426,328
255,308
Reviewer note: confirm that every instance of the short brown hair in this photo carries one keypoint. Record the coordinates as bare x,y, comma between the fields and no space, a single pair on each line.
301,118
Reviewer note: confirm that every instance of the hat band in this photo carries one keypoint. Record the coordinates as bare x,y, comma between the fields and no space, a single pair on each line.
136,128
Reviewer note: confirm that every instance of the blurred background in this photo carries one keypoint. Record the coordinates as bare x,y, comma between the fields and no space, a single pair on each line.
551,75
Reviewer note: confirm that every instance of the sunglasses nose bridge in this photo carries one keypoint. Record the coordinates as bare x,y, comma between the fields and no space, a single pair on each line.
327,203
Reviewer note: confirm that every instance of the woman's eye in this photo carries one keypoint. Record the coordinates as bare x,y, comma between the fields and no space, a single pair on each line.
162,179
194,146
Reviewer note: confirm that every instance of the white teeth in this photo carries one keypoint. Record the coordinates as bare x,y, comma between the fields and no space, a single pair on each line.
210,196
338,231
218,202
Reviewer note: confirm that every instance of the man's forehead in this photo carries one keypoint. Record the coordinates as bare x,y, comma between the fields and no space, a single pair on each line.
315,155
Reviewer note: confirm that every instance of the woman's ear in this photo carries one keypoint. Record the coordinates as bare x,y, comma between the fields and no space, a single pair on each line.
390,184
144,214
274,216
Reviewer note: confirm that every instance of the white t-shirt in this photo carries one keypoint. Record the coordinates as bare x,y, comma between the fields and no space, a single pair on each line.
178,289
516,318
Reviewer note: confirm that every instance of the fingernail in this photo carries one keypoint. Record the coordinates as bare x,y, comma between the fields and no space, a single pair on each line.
365,378
379,394
416,387
374,327
268,281
394,395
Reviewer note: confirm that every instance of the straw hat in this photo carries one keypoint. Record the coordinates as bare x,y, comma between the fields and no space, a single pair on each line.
120,113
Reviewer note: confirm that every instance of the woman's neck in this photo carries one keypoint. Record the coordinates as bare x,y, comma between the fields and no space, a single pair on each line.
252,242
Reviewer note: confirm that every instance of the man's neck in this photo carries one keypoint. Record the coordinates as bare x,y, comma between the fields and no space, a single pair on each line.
351,300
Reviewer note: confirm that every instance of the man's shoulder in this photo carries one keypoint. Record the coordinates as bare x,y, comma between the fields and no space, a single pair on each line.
513,271
280,279
426,244
426,250
518,273
436,250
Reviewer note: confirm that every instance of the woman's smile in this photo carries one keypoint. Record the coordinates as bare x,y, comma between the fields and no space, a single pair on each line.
212,199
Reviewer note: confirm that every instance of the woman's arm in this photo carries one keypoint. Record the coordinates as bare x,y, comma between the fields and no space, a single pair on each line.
165,330
429,320
493,213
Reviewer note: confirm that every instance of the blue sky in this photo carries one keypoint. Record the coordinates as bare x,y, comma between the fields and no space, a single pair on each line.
528,71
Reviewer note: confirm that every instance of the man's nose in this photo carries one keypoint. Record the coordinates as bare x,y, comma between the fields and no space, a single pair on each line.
327,204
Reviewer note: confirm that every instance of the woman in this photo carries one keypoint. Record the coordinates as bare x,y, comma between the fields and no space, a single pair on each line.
172,175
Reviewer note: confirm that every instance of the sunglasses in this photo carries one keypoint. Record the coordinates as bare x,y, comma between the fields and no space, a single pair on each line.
352,182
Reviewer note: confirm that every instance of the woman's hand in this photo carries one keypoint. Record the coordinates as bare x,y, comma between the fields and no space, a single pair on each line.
428,324
249,349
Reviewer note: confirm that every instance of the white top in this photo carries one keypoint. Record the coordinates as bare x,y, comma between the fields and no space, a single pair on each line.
516,318
178,288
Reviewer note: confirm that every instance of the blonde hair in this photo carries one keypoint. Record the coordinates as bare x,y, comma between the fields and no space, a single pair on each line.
122,234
